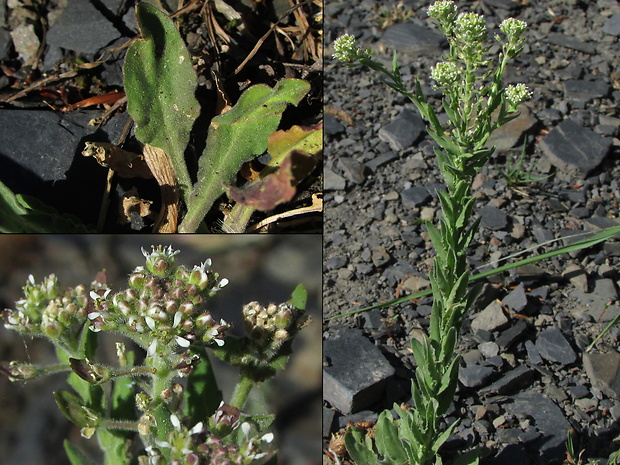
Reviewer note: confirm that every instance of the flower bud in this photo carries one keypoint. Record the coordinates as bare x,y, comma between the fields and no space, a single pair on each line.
224,420
51,329
136,280
283,317
187,308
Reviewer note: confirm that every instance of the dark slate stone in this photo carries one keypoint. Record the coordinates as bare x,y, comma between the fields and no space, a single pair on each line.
612,25
403,131
374,322
579,89
504,4
415,196
357,371
513,454
532,353
352,169
5,44
496,361
74,28
382,159
40,155
332,126
510,381
336,263
413,39
333,181
475,376
604,372
513,334
328,421
557,38
549,420
516,300
553,346
493,218
570,146
508,135
579,391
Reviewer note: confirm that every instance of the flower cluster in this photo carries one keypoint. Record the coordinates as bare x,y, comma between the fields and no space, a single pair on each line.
517,94
446,74
443,11
44,311
212,445
163,304
269,328
345,49
514,29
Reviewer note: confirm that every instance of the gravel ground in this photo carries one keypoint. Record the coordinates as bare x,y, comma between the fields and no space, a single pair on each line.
526,378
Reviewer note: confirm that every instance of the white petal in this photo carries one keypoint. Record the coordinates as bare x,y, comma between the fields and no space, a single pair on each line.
31,279
182,341
196,429
223,282
175,421
152,348
245,427
177,319
94,295
94,330
219,342
150,322
268,437
93,315
106,293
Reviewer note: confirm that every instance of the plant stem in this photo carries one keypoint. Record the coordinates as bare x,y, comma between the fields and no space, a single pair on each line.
203,197
162,373
241,392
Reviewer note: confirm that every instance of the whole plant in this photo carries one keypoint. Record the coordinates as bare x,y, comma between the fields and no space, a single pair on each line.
476,102
164,393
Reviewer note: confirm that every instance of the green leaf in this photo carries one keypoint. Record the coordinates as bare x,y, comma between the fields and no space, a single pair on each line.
115,444
299,297
202,395
160,83
74,408
358,450
26,214
75,455
443,437
387,438
234,137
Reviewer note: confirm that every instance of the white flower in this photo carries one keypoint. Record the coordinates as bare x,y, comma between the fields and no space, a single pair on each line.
445,73
442,10
516,94
345,48
470,27
513,28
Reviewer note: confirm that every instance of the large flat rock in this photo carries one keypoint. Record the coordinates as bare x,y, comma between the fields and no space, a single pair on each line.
356,371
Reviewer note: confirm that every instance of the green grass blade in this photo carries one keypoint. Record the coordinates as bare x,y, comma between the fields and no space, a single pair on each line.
594,239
